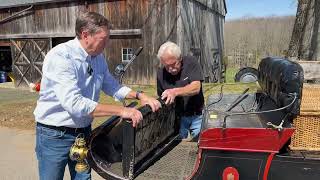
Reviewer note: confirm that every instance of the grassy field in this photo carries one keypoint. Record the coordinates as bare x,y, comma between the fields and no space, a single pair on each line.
230,73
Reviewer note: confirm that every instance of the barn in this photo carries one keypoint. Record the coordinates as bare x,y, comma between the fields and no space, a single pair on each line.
30,28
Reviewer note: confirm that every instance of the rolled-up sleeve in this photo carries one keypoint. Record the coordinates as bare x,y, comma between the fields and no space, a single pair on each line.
65,85
121,93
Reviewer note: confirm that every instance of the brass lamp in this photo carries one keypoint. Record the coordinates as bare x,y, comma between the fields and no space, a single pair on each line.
78,152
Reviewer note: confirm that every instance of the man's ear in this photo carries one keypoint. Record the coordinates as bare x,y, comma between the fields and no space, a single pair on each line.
84,35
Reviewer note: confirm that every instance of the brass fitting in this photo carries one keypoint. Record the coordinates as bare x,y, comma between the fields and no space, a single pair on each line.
78,152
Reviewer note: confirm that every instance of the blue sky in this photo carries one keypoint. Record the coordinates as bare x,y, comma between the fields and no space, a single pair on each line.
259,8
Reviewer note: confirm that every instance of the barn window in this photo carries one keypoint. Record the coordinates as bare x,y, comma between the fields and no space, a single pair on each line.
5,59
127,53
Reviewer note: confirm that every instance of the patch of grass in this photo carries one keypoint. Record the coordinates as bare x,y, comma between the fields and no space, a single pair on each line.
230,73
228,88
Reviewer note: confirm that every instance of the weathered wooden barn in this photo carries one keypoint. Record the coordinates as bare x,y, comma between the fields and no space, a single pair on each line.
30,28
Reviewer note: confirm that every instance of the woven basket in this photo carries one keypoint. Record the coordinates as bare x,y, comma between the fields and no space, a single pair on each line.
307,133
307,125
310,103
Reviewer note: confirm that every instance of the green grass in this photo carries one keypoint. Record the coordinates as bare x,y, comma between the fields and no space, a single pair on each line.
230,73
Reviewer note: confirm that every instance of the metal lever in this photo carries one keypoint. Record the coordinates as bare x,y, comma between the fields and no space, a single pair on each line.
240,98
278,127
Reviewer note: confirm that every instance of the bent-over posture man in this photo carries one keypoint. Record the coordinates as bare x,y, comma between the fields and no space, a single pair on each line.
180,80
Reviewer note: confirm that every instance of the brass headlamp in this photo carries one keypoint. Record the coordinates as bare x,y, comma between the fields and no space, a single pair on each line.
78,152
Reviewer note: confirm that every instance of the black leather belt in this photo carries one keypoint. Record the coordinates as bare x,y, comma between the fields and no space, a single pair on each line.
193,113
65,129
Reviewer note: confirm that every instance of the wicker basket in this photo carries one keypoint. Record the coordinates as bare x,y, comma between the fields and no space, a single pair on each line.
307,125
307,133
310,103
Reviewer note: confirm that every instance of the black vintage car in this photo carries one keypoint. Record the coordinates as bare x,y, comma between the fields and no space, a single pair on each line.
244,136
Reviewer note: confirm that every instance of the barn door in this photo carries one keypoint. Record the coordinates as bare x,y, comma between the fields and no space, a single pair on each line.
27,59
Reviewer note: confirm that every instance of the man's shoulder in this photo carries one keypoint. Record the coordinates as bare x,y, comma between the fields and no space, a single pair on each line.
160,72
59,54
62,48
190,60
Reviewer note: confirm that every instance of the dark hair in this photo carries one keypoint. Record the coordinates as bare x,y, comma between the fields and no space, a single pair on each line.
92,22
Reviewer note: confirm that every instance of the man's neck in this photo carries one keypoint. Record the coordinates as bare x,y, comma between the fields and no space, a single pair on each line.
84,46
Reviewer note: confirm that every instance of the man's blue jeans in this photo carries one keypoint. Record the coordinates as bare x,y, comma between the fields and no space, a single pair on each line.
192,124
52,149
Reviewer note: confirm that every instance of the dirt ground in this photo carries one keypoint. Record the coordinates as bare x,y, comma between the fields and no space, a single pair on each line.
17,136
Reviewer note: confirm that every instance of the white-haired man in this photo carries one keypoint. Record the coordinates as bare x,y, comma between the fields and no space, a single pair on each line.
180,81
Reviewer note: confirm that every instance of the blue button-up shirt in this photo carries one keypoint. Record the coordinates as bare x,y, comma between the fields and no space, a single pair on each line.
71,84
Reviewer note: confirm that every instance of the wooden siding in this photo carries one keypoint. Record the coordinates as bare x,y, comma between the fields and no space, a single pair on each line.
157,19
201,29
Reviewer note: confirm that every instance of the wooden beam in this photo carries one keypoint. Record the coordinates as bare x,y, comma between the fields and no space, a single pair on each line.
12,4
113,32
39,49
5,43
21,51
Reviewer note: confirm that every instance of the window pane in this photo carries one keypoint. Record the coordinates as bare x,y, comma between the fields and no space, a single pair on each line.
124,57
124,51
130,51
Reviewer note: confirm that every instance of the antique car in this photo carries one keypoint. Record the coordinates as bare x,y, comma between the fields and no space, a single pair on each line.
243,136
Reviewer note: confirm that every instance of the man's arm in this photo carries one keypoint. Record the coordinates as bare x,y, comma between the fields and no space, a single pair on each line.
189,90
124,112
152,102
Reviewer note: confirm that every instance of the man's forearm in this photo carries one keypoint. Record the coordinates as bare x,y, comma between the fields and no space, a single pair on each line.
189,90
107,110
131,95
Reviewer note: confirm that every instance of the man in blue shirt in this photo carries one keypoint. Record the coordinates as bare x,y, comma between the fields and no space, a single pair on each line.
73,75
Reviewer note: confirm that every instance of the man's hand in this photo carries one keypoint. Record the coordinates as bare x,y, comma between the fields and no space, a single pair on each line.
152,102
169,95
133,114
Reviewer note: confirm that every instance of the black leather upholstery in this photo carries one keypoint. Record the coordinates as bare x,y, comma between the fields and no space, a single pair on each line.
279,77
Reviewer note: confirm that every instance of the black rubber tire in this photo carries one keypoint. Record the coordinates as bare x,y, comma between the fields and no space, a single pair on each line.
246,72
